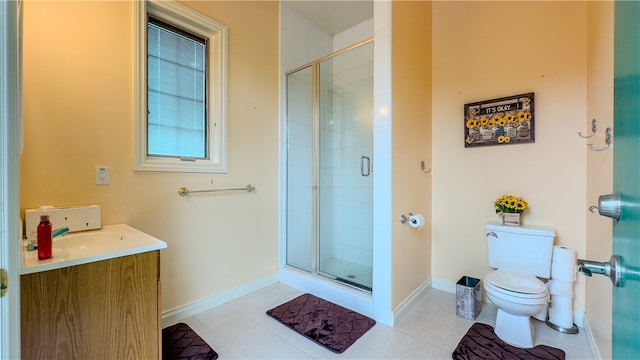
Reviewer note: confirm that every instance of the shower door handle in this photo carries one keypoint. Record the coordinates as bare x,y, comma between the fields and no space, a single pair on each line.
365,170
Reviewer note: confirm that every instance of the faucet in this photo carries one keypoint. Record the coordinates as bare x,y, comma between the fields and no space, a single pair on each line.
33,244
59,232
612,268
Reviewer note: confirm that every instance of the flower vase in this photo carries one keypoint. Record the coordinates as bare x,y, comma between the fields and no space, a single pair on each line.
510,131
523,130
474,134
486,134
510,219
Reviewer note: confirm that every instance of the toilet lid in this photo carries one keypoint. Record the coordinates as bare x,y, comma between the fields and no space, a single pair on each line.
516,282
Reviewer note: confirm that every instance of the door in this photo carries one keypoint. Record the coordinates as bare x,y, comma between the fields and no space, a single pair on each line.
330,166
626,232
345,152
9,146
300,170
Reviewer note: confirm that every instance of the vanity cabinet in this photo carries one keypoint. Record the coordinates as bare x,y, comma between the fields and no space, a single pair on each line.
107,309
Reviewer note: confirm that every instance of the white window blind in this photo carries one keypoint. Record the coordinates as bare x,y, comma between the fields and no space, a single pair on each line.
177,92
180,98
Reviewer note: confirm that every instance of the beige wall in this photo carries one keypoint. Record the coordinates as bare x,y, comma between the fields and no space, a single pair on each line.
485,50
78,113
599,168
411,143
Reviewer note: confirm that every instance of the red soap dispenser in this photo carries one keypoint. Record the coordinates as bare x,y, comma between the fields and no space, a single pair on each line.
44,238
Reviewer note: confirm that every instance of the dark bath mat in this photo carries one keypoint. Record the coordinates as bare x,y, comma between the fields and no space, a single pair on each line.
179,341
326,323
480,342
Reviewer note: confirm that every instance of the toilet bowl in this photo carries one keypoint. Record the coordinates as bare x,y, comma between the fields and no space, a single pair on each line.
517,296
520,256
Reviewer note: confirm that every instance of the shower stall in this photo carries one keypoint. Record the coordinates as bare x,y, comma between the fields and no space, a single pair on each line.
329,165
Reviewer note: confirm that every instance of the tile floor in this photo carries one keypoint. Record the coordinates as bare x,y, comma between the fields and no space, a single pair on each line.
240,329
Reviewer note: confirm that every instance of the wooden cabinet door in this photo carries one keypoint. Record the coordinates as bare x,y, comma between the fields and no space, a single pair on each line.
102,310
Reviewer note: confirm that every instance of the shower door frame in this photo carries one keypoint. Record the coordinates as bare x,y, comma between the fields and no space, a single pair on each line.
315,176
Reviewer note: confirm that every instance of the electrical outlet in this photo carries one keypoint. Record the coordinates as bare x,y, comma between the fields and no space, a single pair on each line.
102,175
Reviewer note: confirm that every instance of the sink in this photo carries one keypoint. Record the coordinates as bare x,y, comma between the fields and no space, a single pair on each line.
109,242
88,240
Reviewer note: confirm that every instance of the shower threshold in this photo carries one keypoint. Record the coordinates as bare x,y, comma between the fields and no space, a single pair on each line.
354,284
354,275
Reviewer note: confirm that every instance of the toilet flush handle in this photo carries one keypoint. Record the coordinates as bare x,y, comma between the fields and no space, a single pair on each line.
491,233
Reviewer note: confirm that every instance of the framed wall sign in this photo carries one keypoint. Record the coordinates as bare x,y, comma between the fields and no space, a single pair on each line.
503,121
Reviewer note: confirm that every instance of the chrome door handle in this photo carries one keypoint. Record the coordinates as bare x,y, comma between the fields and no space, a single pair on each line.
365,170
612,269
609,205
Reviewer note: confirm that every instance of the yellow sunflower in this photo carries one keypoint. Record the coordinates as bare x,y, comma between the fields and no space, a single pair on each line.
471,123
500,139
524,116
520,205
510,204
509,117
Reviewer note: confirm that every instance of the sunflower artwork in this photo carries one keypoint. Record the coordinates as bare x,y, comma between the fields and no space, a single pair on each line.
503,121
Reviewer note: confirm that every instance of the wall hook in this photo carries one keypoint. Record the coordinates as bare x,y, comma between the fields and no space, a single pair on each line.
423,167
407,218
607,141
594,128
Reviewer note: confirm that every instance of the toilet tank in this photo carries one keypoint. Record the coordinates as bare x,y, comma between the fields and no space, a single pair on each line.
526,249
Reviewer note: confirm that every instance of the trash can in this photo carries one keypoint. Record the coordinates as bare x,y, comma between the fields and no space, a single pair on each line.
468,298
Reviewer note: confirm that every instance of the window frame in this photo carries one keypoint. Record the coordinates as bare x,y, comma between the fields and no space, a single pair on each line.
189,20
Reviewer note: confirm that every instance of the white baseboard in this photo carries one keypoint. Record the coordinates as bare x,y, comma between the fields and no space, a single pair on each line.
450,287
586,327
177,314
350,298
402,310
444,285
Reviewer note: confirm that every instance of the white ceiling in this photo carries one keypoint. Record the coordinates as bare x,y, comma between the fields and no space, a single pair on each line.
333,16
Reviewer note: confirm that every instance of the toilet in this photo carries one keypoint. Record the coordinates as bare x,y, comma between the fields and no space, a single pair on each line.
521,256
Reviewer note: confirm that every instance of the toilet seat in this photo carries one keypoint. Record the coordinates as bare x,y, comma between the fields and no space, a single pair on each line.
516,284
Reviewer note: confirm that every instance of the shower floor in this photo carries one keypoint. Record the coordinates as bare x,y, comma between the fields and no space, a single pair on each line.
348,272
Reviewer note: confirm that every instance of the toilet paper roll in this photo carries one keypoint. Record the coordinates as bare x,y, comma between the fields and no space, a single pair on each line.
416,221
563,264
561,311
561,288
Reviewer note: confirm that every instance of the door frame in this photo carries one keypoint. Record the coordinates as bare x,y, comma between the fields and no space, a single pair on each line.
10,143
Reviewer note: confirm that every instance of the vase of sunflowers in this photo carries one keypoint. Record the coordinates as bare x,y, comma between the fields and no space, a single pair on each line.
510,209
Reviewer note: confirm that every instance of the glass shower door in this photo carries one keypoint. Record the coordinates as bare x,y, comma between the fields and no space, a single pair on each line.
329,167
300,172
345,182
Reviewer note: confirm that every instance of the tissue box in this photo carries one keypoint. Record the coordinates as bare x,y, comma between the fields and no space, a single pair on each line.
76,218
